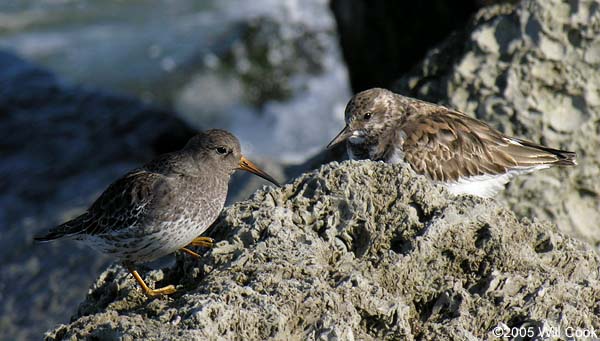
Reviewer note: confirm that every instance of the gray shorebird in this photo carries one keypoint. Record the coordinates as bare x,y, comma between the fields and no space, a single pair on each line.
163,206
464,154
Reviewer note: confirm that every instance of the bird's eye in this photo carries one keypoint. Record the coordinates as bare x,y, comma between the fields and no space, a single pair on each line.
221,150
367,116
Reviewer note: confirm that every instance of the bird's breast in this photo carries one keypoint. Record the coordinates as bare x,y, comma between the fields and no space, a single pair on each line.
394,155
357,151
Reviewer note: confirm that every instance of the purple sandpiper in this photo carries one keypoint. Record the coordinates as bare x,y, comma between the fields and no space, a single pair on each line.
464,154
162,206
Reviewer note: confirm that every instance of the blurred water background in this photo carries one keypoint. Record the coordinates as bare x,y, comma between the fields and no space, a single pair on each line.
270,71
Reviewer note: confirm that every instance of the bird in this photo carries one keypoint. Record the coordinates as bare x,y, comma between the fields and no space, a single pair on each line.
162,206
464,154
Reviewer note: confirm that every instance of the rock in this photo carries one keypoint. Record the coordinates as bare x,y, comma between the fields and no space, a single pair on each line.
383,39
61,146
530,70
357,250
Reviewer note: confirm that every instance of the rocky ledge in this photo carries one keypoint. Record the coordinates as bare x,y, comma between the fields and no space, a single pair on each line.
356,250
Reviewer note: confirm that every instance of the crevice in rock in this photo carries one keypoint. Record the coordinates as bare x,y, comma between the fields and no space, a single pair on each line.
481,286
401,245
361,238
482,236
543,243
377,326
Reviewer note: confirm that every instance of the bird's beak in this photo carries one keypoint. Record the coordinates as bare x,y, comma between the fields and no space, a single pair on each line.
248,166
340,137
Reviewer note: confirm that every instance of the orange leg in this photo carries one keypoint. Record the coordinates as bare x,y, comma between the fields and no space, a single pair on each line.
190,252
169,289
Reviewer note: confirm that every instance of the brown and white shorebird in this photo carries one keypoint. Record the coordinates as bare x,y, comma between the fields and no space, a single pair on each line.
162,206
464,154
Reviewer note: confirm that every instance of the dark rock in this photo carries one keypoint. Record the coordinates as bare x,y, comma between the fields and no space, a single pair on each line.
383,39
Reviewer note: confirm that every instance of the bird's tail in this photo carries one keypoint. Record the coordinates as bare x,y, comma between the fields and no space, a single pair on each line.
52,235
67,229
560,157
545,155
565,158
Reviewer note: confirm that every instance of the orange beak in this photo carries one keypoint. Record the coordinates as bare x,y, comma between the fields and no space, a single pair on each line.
248,166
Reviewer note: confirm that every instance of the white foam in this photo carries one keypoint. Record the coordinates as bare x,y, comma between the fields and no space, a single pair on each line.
302,125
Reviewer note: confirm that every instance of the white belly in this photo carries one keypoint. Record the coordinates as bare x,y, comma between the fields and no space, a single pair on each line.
486,186
168,237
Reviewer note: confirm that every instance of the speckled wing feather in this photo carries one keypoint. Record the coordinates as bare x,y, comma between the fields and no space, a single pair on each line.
124,204
447,145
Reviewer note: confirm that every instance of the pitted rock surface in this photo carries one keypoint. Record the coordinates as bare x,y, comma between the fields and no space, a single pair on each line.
357,250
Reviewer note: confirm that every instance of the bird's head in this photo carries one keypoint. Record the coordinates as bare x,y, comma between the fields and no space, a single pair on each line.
368,115
219,150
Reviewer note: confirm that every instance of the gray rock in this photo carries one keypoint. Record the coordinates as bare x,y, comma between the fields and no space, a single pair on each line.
530,70
357,250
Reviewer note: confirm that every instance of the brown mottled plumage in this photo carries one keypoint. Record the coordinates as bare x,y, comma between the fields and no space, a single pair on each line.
162,206
465,154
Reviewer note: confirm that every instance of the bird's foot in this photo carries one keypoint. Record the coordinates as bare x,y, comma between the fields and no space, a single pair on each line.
169,289
203,241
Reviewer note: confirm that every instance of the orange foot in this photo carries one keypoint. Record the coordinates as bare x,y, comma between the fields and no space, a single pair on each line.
169,289
203,241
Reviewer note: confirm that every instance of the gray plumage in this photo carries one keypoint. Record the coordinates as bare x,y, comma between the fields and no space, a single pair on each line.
162,206
463,153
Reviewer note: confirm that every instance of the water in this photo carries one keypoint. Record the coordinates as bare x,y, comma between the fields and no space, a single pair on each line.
268,70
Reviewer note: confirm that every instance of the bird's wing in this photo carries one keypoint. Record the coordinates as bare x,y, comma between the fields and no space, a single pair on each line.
127,202
124,204
447,145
